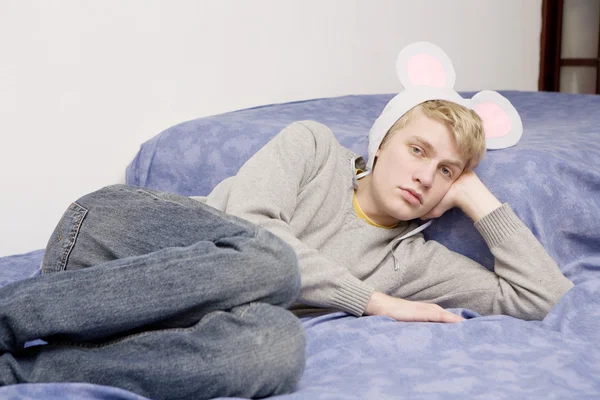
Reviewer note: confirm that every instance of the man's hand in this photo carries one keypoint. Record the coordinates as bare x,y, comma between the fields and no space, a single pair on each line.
408,311
470,195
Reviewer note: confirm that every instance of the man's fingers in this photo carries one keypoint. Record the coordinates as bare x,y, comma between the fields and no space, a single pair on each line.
438,314
449,317
414,311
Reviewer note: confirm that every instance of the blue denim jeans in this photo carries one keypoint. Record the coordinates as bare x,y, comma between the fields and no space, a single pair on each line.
160,295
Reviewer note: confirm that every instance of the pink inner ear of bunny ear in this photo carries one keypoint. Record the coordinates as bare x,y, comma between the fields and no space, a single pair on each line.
426,70
496,122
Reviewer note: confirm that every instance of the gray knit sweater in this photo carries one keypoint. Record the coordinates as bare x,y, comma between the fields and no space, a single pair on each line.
299,186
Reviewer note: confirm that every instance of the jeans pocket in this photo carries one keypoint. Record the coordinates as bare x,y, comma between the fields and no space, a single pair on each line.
63,239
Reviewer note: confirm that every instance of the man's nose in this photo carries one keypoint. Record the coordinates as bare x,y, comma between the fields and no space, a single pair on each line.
425,175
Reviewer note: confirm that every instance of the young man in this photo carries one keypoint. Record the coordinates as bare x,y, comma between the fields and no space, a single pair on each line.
168,297
349,241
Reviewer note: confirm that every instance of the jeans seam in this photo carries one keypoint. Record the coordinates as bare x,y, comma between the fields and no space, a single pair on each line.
158,197
127,337
252,227
73,236
250,305
79,212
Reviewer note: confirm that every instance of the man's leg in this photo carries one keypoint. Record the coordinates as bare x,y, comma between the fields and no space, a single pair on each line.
215,263
121,221
252,351
146,274
172,287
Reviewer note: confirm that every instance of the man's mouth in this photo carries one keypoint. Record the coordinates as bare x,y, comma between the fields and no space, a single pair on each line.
412,196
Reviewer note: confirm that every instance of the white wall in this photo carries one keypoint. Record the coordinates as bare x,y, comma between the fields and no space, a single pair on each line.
84,82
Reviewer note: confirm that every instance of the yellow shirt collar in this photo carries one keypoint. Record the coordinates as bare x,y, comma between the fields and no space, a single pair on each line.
361,214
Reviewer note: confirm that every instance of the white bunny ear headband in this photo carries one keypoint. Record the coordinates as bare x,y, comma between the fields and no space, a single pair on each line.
426,73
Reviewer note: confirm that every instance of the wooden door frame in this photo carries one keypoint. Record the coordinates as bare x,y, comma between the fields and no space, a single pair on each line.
550,49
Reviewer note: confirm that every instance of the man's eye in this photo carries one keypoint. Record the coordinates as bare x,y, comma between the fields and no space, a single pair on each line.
416,150
446,172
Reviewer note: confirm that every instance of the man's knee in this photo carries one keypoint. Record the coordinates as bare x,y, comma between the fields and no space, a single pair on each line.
290,353
280,265
282,349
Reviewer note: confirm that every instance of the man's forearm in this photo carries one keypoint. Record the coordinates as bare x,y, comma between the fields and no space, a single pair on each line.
476,200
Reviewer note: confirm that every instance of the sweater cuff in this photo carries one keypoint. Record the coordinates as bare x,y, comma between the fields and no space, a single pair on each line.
353,296
498,225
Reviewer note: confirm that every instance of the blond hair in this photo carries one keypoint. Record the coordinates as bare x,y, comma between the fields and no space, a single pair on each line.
465,125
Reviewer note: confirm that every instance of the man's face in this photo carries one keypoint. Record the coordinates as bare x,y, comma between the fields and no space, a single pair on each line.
415,168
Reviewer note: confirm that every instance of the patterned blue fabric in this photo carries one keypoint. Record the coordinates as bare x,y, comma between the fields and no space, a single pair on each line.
551,178
62,391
